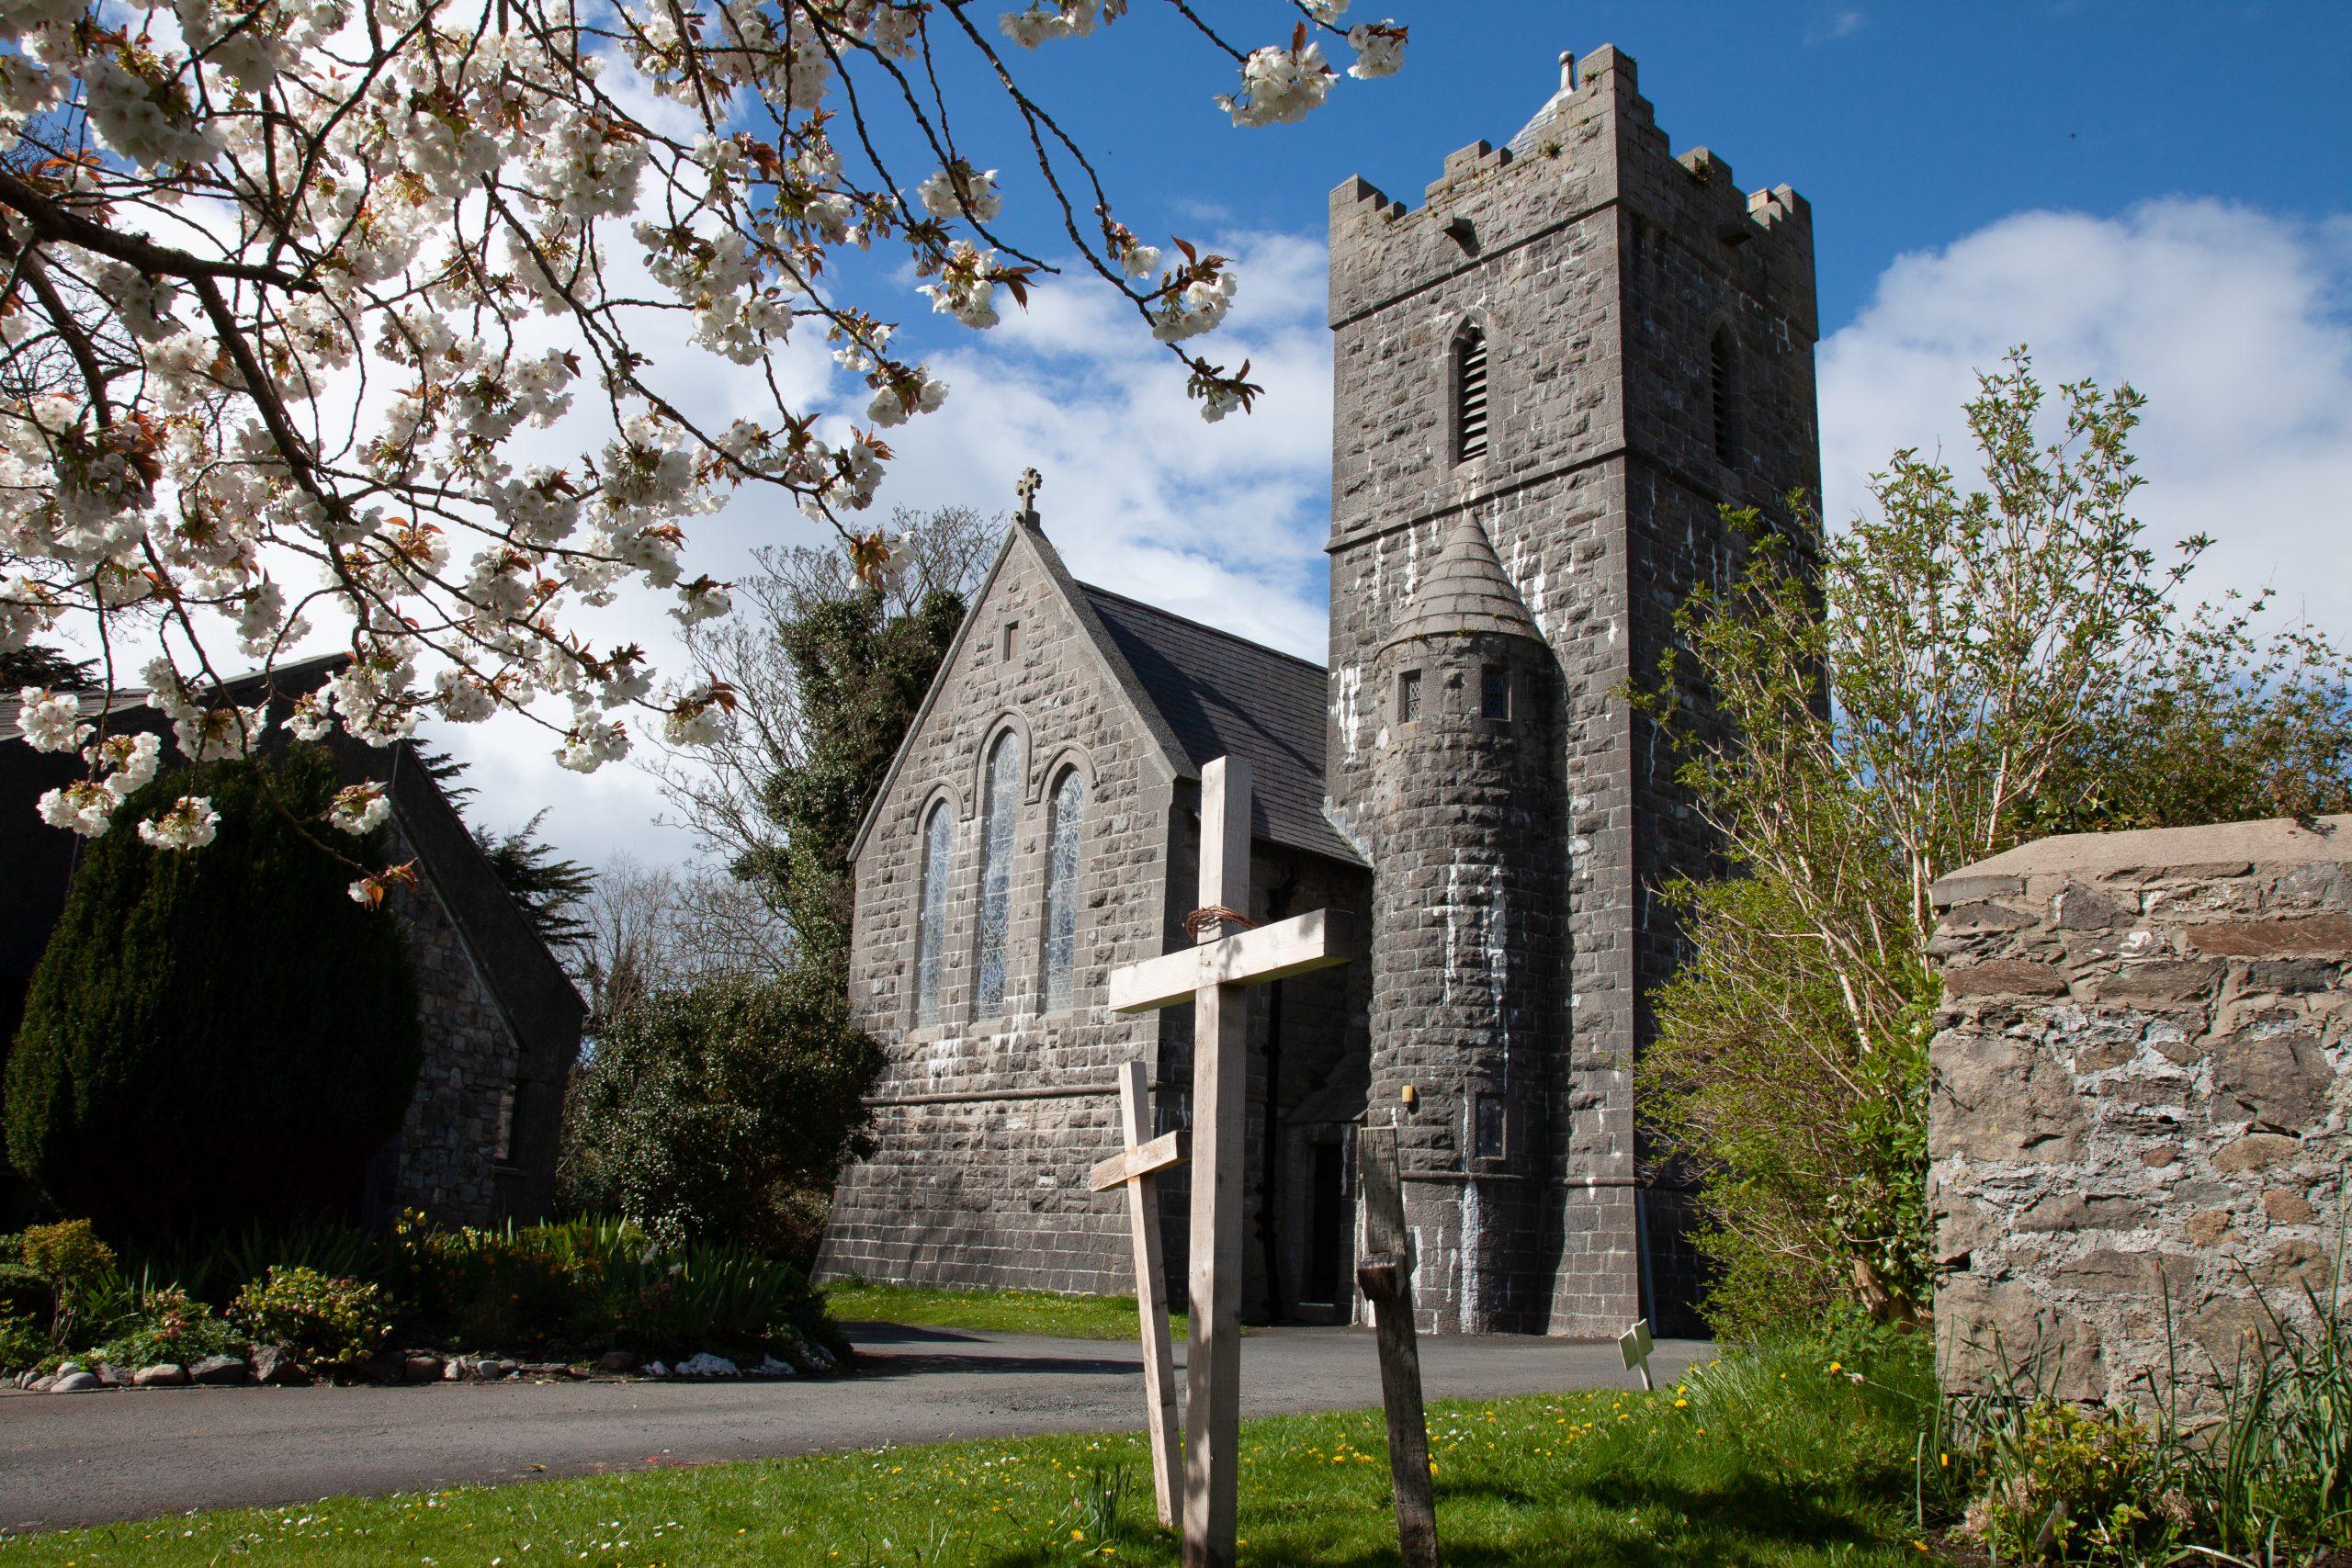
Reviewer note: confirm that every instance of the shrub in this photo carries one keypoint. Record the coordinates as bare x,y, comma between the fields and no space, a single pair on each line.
702,1113
69,1256
184,995
2066,1480
326,1321
705,1296
23,1341
80,1272
509,1288
170,1326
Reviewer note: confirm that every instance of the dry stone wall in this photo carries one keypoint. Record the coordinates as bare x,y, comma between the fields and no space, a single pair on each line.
2142,1084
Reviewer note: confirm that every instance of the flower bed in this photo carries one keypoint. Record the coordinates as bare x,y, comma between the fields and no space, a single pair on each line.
571,1299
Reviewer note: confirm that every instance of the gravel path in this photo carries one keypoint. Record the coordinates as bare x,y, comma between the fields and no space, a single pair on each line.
84,1459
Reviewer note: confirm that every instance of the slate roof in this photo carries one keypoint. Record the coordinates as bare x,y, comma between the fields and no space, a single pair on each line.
1465,591
1224,696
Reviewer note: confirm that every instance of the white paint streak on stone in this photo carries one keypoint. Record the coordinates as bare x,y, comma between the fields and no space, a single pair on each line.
1349,717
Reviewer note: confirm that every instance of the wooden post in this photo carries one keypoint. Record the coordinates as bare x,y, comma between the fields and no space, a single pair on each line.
1220,1065
1386,1278
1152,1155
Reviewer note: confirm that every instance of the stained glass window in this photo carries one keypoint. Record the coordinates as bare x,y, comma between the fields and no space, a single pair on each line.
1002,811
1061,890
931,914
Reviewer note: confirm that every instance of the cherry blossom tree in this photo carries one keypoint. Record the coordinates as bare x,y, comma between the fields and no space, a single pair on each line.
291,283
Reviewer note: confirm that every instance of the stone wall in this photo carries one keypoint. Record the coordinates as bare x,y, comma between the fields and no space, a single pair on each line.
453,1156
1599,267
986,1127
2142,1090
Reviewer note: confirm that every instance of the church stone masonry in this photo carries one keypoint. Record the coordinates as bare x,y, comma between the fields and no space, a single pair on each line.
1550,378
1648,336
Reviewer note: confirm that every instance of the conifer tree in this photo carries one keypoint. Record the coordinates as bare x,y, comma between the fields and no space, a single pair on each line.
214,1039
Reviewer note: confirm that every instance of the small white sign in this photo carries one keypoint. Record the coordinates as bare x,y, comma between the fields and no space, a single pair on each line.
1634,1346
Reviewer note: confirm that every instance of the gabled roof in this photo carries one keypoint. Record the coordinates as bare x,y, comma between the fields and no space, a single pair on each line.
1224,696
1199,692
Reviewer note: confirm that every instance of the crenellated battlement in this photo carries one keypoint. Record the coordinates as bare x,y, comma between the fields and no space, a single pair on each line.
1594,143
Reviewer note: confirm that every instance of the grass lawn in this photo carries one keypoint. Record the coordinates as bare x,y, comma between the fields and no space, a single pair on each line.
1002,1312
1776,1461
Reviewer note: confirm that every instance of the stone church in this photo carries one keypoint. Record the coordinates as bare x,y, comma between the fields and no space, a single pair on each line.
1551,378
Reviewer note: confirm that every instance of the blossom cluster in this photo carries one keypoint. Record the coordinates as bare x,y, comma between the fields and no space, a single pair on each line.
312,304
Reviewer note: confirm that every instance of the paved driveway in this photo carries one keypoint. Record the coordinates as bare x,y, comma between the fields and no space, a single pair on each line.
83,1458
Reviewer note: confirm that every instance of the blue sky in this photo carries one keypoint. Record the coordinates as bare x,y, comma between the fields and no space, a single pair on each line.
2156,191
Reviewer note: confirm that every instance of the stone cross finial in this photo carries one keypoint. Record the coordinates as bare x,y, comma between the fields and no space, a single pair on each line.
1032,481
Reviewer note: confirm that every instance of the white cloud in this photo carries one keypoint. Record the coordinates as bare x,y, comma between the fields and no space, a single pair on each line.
2233,321
2229,319
1224,522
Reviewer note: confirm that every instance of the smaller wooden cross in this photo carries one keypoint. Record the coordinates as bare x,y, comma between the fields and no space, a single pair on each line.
1135,1168
1210,975
1385,1276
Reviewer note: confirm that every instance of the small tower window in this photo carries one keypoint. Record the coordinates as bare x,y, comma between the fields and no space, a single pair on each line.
1487,1137
1493,693
1722,388
1469,395
1012,641
1408,696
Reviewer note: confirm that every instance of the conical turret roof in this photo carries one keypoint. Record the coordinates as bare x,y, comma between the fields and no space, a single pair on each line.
1464,592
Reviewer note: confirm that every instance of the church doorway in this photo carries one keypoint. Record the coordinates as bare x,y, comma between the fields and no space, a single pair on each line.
1327,1230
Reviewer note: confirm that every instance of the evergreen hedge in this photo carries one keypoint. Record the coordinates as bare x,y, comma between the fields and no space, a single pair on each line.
219,1037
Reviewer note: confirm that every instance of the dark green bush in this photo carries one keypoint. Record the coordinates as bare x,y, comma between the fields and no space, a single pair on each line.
170,1326
214,1037
509,1289
705,1112
326,1321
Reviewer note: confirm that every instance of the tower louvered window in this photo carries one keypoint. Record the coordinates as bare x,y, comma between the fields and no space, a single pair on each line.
1470,395
1723,390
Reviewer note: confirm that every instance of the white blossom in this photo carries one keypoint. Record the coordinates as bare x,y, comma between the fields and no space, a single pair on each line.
50,721
82,807
361,809
1196,308
1380,49
126,761
590,746
190,824
961,190
1279,84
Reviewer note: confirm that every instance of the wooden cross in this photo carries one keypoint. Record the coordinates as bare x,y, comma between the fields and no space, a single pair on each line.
1135,1168
1210,975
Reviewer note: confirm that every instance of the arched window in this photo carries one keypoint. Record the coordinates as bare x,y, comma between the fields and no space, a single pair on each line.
1469,395
931,912
1723,387
1000,813
1062,888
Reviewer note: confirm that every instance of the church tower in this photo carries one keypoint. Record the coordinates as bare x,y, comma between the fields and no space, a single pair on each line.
1550,378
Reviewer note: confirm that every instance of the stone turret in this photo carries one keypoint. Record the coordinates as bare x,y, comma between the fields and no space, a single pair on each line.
1466,958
